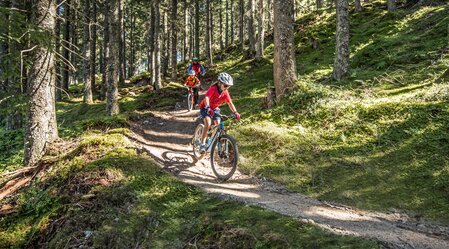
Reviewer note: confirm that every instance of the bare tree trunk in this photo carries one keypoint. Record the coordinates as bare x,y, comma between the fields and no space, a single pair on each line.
41,123
58,51
165,38
186,32
319,4
88,98
105,61
220,13
358,6
112,53
74,40
284,67
197,28
341,63
227,24
270,16
232,22
132,68
192,35
66,46
151,42
208,34
93,45
157,46
261,30
241,26
391,5
174,41
251,31
122,43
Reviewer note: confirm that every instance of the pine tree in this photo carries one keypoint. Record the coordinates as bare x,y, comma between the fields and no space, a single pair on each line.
341,63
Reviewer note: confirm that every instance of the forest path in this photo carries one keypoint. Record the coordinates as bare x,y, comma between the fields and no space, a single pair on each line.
166,138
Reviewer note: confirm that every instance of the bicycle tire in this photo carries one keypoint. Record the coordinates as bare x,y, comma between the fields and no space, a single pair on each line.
189,102
195,139
233,156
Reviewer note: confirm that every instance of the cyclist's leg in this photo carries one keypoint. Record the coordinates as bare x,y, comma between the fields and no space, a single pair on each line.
195,93
207,122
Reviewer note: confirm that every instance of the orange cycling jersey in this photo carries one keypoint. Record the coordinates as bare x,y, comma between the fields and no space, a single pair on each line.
191,81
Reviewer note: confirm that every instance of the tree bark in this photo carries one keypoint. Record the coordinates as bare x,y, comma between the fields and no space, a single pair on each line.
174,40
270,16
261,30
227,24
87,91
151,43
41,127
93,45
122,43
66,46
186,32
58,51
232,22
208,34
105,61
284,67
341,63
251,31
112,53
220,13
241,26
319,4
73,43
197,28
157,46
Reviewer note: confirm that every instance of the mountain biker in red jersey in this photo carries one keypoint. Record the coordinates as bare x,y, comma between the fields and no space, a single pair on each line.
215,96
193,82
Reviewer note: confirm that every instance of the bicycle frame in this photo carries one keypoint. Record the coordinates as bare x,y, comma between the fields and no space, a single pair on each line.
219,130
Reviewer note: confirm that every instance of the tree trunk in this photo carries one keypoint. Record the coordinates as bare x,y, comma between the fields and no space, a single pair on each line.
122,43
186,32
227,24
157,46
73,44
105,49
208,33
197,28
391,5
88,99
241,26
41,123
112,53
174,40
270,16
66,46
261,30
341,63
192,35
151,43
358,6
319,4
93,45
284,67
220,13
232,21
58,51
251,31
131,43
165,51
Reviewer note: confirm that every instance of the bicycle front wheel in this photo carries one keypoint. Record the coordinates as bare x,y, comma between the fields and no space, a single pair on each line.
196,142
190,101
223,157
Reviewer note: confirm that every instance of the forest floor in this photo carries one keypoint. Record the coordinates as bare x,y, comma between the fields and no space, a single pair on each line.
166,137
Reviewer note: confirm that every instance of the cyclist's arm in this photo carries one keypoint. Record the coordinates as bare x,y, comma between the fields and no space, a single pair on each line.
206,101
232,107
189,68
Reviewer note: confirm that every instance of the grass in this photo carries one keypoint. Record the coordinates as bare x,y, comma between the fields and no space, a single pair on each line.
376,140
104,194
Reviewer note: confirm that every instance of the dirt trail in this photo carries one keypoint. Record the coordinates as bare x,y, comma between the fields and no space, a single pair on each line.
166,138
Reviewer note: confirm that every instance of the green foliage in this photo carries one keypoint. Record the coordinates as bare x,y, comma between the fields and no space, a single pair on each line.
107,194
375,140
136,78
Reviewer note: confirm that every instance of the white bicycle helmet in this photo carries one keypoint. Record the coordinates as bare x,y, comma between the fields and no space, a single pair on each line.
192,72
226,79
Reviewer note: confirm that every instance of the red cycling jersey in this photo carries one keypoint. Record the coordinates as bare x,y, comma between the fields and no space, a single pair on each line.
215,98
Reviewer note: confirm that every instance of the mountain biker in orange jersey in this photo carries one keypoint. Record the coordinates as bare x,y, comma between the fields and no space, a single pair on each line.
215,96
193,82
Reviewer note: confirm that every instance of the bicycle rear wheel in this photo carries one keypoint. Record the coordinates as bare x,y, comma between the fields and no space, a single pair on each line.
196,142
190,101
223,157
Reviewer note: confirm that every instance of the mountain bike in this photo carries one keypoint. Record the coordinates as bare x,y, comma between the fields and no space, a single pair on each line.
222,148
191,98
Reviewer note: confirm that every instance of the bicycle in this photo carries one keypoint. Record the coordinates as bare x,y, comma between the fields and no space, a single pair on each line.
191,98
222,148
